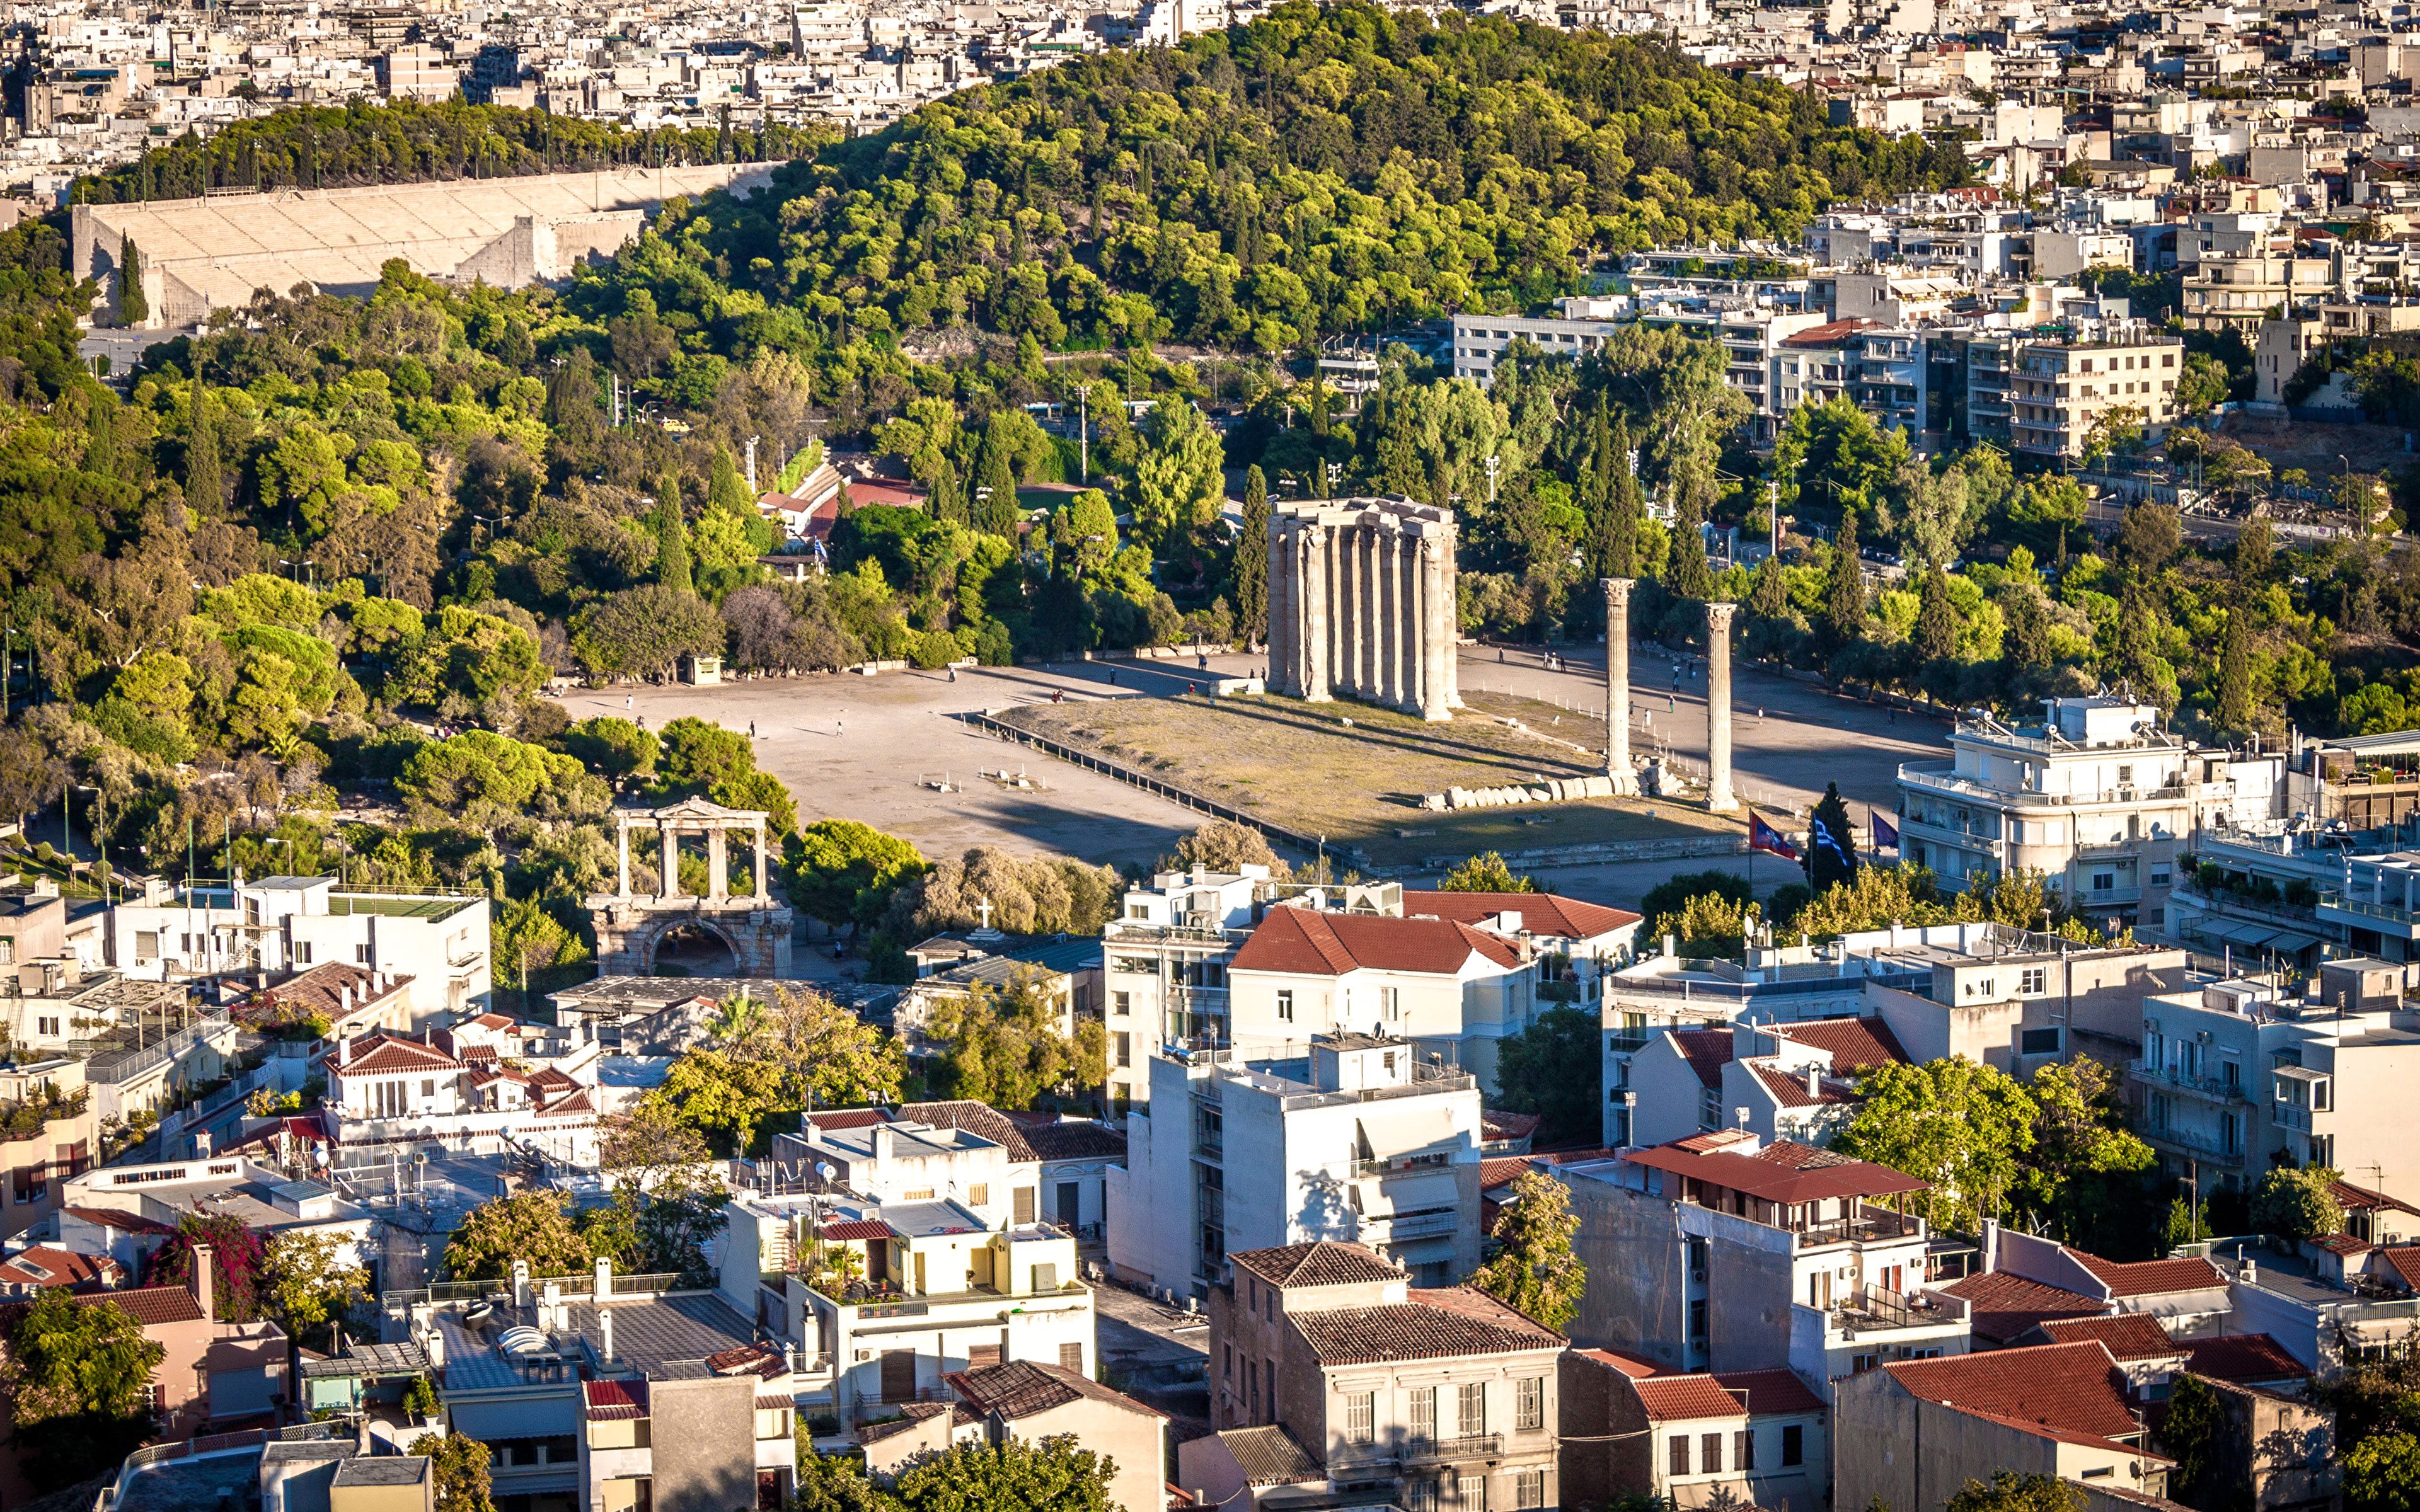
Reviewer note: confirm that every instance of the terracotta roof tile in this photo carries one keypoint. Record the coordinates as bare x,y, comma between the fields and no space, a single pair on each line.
47,1265
1498,1125
1304,942
1074,1141
2363,1199
1770,1391
1498,1170
2149,1278
1789,1087
1020,1388
112,1218
979,1119
2404,1260
912,1414
612,1401
1855,1044
380,1054
1434,1326
2006,1305
2128,1336
1326,1263
1707,1051
150,1305
1783,1171
2242,1358
1671,1398
1541,913
1637,1367
2067,1387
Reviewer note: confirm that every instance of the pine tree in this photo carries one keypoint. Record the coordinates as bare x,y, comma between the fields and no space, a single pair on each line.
672,540
1252,559
133,308
1844,591
2235,705
1936,619
205,485
2254,552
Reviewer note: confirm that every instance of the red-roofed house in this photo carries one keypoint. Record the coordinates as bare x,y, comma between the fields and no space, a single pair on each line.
1444,1391
2188,1296
1453,988
1582,942
1691,1440
1914,1433
1795,1081
395,1091
1726,1251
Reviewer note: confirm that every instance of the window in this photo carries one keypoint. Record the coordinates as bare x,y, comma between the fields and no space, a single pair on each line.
1743,1450
429,1087
1471,1494
8,949
1423,1406
1698,1322
1126,1044
1710,1454
1071,1356
1422,1497
146,944
1710,1108
1530,1489
360,954
2039,1042
1285,1005
1793,1444
980,1194
1121,1003
1678,1461
1227,1365
1529,1402
47,1027
2032,980
1473,1409
1392,998
2101,1471
1360,1417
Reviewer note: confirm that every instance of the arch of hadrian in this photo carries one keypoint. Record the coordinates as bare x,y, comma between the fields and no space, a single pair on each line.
630,926
1361,604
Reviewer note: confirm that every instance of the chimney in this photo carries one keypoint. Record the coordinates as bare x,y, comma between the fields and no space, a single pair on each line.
605,1332
1814,1080
1991,1245
550,1312
1671,944
343,1051
204,1282
604,1279
520,1284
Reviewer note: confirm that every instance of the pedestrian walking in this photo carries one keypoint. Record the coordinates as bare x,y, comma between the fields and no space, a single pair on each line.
626,701
1190,690
752,728
836,727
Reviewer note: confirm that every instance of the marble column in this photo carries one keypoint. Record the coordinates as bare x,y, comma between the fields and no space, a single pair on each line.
1449,624
1282,640
1617,687
670,888
622,840
1365,599
760,861
1437,689
718,864
1318,605
1387,630
1719,797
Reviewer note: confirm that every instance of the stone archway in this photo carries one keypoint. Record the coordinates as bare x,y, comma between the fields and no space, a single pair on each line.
693,948
632,927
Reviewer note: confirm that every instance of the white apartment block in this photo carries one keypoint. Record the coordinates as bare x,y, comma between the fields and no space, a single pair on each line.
915,1259
2065,389
276,925
2097,797
1362,1139
1164,964
2236,1079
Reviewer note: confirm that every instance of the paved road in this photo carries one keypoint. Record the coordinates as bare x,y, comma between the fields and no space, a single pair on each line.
869,747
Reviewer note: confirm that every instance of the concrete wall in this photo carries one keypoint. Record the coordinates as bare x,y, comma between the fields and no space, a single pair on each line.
1599,1411
705,1444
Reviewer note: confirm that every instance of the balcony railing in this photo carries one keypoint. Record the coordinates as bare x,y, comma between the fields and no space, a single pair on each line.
1458,1450
2216,1088
2195,1142
1868,1225
2362,908
1420,1225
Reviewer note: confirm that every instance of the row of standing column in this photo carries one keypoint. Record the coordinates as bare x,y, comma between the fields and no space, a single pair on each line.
1720,797
1363,612
718,862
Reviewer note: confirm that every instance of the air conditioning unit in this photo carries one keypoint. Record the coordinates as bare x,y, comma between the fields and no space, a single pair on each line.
2201,1037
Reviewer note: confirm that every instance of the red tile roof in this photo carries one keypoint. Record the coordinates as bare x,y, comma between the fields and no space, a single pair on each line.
2068,1387
1326,1263
854,1228
1789,1087
380,1054
2404,1259
1637,1367
2242,1358
1829,334
2128,1336
1305,942
1781,1172
2006,1305
1707,1051
611,1400
1541,913
1671,1398
1770,1391
1438,1324
47,1265
150,1305
2151,1278
1498,1170
1855,1044
1020,1388
2362,1199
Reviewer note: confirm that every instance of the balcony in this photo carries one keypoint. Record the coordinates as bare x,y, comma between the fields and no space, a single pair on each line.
2195,1143
1461,1451
2106,897
2341,908
1419,1226
1875,1308
2169,1079
1871,1224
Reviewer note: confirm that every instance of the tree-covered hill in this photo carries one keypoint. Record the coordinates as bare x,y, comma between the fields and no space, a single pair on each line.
1328,168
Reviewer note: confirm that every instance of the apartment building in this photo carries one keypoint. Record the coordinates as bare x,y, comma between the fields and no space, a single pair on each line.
1578,944
2239,1078
276,925
1724,1252
1424,1397
1032,1402
2066,391
391,1094
1164,963
916,1257
1453,989
1357,1138
1781,1081
2099,797
1693,1440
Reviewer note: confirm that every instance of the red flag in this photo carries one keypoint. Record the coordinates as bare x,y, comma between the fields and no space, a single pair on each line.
1763,837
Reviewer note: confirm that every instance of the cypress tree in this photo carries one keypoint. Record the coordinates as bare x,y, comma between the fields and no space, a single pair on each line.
949,501
205,483
1252,559
672,540
1844,591
1826,865
1936,621
2235,705
1769,599
133,308
996,514
1692,575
